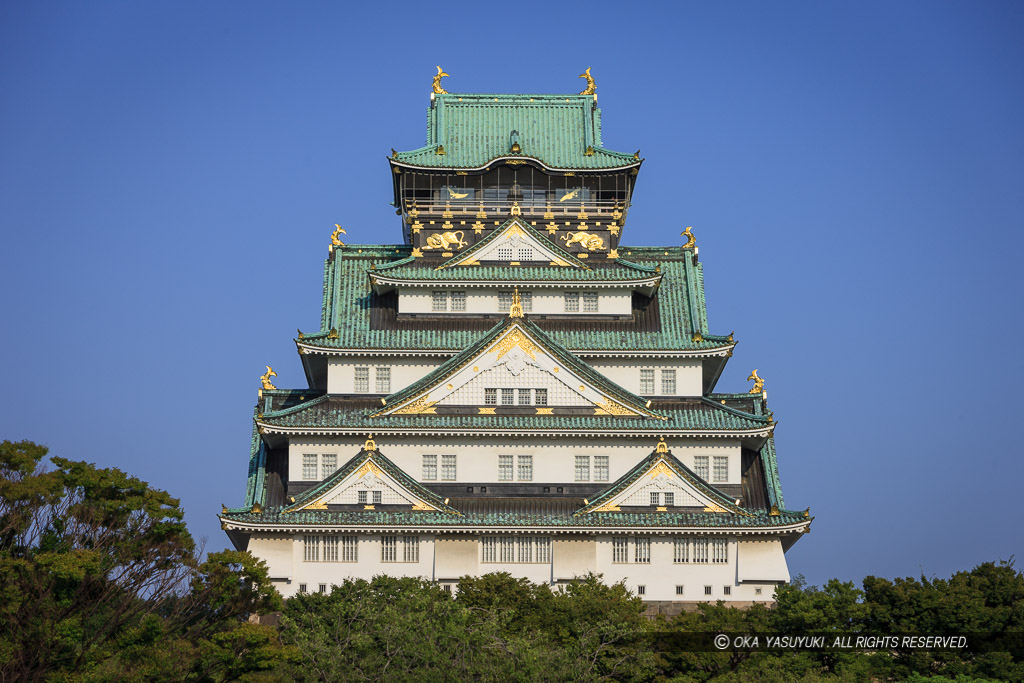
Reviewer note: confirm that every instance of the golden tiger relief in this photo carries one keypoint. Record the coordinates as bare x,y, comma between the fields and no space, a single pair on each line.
445,240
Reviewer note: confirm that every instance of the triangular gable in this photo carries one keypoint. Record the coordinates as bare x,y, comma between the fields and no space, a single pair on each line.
662,472
369,471
527,245
513,347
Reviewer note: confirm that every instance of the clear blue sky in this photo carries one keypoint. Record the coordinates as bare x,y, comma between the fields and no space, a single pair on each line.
170,173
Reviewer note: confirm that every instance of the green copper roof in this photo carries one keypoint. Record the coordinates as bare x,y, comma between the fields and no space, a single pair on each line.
524,273
347,290
691,415
561,131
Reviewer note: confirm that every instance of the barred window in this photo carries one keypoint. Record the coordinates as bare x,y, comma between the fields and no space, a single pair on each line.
524,397
410,548
362,497
515,549
646,381
508,397
383,380
438,301
302,588
505,301
700,550
590,302
726,590
600,468
376,497
540,397
572,302
524,546
389,548
331,548
323,588
447,468
700,466
582,468
490,549
311,548
670,498
721,471
525,468
620,549
642,552
668,382
507,549
458,301
719,551
328,464
429,468
707,590
679,589
681,550
308,467
641,590
490,397
361,385
349,549
543,549
655,498
504,468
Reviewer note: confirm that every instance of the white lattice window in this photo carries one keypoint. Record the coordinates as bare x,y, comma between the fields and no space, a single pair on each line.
700,466
719,551
361,385
507,549
525,468
331,548
543,549
642,550
670,498
410,548
668,382
681,550
620,549
582,468
524,397
308,466
508,397
655,498
429,468
572,302
447,468
439,301
490,397
376,497
505,252
389,548
721,471
505,301
349,549
362,497
647,381
524,548
328,464
590,302
524,254
458,301
383,380
700,550
504,468
311,548
540,397
600,468
515,549
490,549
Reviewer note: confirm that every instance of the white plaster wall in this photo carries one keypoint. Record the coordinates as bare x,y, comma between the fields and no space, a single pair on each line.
404,371
610,301
456,556
572,557
530,377
626,373
276,550
477,458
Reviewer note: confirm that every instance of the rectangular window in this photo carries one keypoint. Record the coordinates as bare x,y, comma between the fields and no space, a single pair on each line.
302,588
515,549
524,254
646,381
726,590
681,550
590,302
410,548
361,385
524,547
383,380
540,397
700,466
757,591
721,471
525,468
700,550
600,468
642,550
458,301
389,548
572,302
331,548
376,497
670,499
429,468
543,549
323,587
641,590
438,301
505,253
507,549
582,468
490,549
655,498
620,549
349,549
490,397
526,299
679,589
508,397
447,468
719,551
707,590
668,382
308,467
524,396
311,548
504,468
328,464
362,497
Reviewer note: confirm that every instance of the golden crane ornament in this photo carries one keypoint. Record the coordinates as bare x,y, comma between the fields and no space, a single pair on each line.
335,240
571,194
758,382
691,241
265,378
438,90
590,89
456,195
